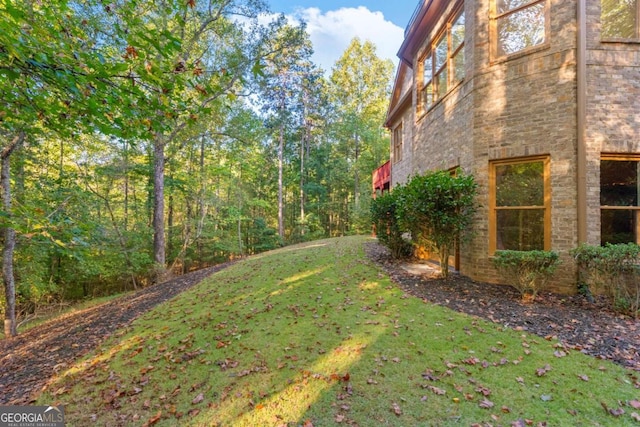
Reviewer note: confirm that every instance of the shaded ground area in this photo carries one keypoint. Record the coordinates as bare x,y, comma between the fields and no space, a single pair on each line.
578,324
29,360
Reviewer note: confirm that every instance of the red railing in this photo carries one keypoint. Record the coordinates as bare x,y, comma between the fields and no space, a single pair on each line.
382,178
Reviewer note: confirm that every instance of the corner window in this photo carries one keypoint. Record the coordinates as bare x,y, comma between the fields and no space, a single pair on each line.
397,144
619,194
443,65
520,200
518,25
620,19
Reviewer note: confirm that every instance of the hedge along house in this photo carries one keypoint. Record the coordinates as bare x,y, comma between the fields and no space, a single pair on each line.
540,101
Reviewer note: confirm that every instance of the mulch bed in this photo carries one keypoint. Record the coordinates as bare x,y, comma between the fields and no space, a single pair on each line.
30,360
588,327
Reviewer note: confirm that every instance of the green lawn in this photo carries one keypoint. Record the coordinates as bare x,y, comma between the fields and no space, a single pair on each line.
317,335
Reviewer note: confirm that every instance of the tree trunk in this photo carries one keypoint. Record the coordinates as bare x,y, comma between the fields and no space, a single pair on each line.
201,208
10,325
170,225
444,261
159,255
356,175
280,184
302,213
126,186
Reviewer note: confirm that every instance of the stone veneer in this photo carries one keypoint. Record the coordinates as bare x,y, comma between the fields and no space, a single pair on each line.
525,106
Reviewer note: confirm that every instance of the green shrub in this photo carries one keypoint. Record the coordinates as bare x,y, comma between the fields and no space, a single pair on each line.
437,208
384,218
611,270
529,271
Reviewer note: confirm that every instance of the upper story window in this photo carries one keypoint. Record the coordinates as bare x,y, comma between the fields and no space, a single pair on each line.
397,144
443,65
517,25
620,19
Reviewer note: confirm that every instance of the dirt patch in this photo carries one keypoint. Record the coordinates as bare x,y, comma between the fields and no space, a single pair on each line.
587,327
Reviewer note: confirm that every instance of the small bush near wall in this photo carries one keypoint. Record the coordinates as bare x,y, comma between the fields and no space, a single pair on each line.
387,228
437,208
613,271
528,271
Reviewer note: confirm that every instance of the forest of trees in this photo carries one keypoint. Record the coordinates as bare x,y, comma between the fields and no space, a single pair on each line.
146,138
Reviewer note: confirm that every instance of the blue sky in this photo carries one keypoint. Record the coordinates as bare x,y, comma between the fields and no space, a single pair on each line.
333,23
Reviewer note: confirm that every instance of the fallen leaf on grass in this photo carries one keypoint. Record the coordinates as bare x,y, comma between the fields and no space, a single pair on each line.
617,412
543,371
339,418
483,390
153,420
436,390
199,398
635,416
395,408
546,398
583,377
635,404
486,404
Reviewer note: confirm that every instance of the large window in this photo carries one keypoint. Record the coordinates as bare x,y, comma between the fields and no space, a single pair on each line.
443,65
397,144
518,25
620,19
520,197
619,194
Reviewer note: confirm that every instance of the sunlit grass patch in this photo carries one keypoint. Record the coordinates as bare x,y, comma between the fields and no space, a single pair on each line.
317,333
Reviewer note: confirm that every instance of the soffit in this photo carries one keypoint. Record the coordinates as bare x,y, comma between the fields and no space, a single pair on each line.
419,28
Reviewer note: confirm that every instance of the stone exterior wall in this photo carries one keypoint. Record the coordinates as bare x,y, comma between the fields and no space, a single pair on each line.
401,170
613,107
512,108
526,105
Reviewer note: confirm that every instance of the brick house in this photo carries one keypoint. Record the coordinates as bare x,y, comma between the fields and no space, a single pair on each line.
540,101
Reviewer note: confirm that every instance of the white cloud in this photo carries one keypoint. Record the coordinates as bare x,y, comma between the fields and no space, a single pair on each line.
332,31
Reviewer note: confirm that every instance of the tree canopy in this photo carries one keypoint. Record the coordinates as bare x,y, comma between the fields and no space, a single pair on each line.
147,138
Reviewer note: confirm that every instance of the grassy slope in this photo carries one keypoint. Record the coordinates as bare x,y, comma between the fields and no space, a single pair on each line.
315,333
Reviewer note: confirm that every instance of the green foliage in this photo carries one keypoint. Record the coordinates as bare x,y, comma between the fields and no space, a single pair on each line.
97,91
387,227
261,237
612,270
528,271
437,208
